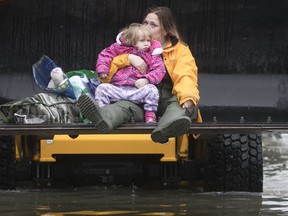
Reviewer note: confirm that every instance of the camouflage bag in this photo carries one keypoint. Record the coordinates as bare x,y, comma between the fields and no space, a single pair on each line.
41,108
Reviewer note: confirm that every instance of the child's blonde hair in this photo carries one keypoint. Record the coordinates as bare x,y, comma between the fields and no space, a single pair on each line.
132,33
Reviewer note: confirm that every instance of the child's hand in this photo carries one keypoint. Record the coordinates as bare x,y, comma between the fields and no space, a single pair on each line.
141,82
103,75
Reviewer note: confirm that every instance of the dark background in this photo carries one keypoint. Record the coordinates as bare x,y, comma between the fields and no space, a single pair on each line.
225,36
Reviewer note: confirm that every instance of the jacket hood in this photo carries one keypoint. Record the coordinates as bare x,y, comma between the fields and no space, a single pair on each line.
155,48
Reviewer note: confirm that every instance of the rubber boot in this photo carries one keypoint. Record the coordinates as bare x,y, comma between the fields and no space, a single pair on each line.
174,122
111,116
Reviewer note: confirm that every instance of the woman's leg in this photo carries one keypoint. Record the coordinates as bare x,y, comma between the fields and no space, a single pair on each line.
175,120
110,116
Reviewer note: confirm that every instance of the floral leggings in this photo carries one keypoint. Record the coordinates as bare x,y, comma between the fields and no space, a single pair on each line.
148,95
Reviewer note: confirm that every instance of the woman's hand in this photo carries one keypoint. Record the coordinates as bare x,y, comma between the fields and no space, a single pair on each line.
188,105
138,63
141,82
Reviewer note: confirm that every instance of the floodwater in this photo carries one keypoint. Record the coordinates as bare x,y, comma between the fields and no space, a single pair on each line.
135,201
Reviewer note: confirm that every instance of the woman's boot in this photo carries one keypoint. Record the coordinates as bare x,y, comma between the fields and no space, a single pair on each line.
110,116
174,122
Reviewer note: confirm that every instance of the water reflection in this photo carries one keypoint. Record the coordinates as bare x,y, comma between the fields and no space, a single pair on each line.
123,201
136,201
275,204
275,195
275,164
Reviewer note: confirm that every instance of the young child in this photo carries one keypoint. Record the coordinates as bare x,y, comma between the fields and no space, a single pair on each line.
129,83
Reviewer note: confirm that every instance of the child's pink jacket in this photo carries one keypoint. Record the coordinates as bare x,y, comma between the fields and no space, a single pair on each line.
128,75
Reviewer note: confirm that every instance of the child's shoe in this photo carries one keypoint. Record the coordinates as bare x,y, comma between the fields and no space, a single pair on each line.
150,117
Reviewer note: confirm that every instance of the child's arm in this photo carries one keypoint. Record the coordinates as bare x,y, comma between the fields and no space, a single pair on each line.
104,60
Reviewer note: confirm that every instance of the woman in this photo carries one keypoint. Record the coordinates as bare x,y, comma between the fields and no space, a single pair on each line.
179,94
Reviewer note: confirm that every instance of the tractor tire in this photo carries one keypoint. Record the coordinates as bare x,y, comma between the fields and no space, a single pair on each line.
7,163
235,163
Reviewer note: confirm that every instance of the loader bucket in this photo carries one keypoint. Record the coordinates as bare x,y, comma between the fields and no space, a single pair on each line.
240,48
